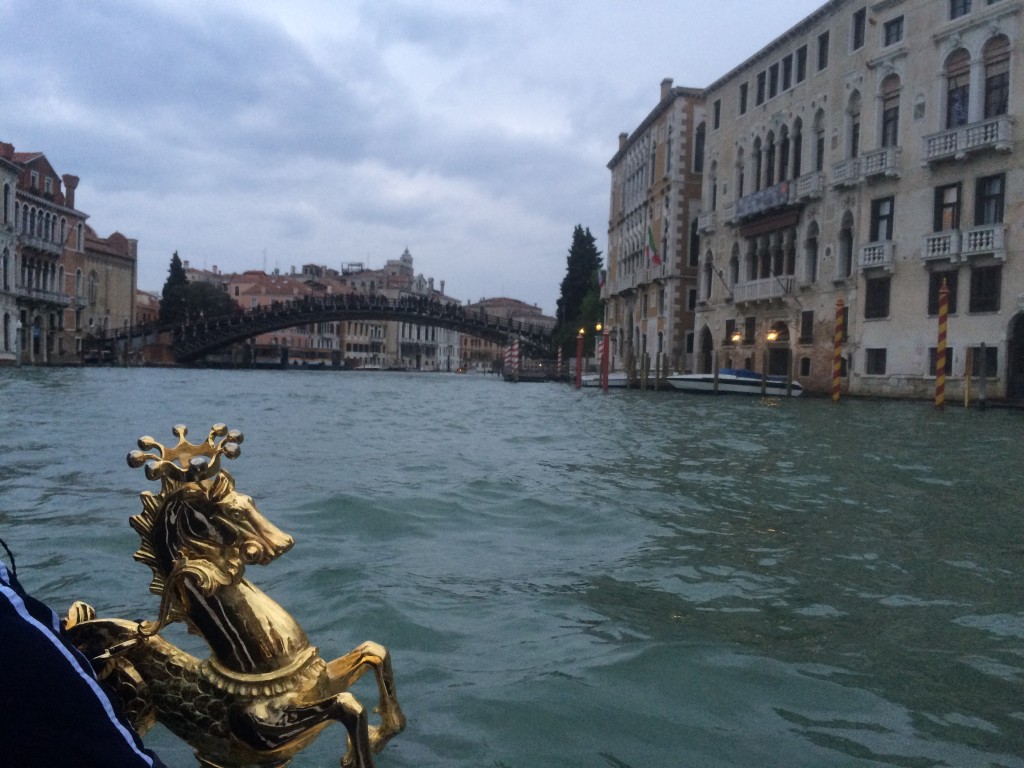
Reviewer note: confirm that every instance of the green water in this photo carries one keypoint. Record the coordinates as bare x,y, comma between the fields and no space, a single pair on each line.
574,578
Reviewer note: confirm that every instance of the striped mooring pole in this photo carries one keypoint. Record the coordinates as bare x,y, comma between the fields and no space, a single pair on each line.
837,352
940,351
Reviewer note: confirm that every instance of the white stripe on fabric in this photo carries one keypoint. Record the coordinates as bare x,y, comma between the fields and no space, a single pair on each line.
19,605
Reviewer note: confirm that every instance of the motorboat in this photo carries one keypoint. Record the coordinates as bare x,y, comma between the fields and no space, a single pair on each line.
735,381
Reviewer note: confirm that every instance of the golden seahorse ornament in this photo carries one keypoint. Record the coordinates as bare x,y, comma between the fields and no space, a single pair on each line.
264,693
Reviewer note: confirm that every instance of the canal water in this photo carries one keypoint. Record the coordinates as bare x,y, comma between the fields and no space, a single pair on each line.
574,578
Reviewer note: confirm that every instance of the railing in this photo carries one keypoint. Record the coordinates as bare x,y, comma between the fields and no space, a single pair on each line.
808,186
39,294
942,245
729,213
990,238
846,173
706,222
879,254
763,200
39,244
881,162
763,290
994,133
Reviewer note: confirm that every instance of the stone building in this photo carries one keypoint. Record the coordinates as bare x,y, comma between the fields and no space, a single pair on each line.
650,281
59,281
867,156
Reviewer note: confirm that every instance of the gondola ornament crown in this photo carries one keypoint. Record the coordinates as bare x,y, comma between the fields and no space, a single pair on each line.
264,693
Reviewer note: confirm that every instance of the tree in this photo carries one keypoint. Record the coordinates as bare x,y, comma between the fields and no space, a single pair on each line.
206,300
173,307
182,301
580,304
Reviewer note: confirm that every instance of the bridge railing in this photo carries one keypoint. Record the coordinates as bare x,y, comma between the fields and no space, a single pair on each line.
199,331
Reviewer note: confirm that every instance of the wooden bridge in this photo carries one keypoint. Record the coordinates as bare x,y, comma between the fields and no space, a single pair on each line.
190,342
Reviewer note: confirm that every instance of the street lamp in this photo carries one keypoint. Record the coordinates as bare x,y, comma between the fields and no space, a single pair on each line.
579,359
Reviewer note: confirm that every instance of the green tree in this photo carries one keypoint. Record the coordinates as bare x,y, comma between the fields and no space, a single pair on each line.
580,304
173,307
204,299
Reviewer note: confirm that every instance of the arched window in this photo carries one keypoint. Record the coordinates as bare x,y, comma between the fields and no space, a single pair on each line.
845,265
769,160
891,111
734,265
93,287
698,149
713,185
80,237
797,142
811,254
758,161
958,87
853,125
7,203
819,141
783,153
997,76
78,283
708,271
740,170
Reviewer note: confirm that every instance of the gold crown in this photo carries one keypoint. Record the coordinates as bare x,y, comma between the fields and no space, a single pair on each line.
187,462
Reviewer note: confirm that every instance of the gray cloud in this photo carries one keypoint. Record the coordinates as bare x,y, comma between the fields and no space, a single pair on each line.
474,132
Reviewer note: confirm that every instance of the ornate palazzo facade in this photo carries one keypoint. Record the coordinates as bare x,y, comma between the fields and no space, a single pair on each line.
868,157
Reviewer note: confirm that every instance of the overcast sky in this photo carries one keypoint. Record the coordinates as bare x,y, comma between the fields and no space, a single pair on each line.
251,134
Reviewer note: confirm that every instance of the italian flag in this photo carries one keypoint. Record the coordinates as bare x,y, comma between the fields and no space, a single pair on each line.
652,249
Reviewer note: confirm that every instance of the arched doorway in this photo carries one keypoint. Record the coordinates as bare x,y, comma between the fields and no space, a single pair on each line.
778,349
1015,359
707,351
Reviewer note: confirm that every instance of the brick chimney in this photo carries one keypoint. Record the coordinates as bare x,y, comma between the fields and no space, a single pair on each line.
623,138
666,88
6,150
70,185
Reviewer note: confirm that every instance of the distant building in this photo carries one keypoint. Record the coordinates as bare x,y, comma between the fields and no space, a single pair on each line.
60,281
483,354
651,277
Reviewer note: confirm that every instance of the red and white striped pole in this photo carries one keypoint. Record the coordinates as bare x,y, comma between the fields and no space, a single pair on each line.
837,352
558,367
940,352
604,360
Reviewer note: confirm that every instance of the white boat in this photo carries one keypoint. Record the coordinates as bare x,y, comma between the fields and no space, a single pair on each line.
616,379
734,381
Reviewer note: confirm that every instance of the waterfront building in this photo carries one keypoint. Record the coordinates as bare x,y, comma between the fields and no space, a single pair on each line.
868,157
649,285
9,313
59,281
481,354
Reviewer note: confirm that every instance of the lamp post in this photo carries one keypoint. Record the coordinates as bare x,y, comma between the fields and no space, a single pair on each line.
604,357
579,359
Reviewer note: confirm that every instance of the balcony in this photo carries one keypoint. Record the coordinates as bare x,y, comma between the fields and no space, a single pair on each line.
880,254
763,290
995,133
810,186
846,173
881,162
763,200
942,245
38,295
729,213
39,244
987,239
706,222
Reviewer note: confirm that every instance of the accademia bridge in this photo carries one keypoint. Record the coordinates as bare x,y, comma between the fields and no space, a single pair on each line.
192,341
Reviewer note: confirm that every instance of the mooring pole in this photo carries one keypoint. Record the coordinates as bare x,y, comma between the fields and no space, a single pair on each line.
837,352
940,352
